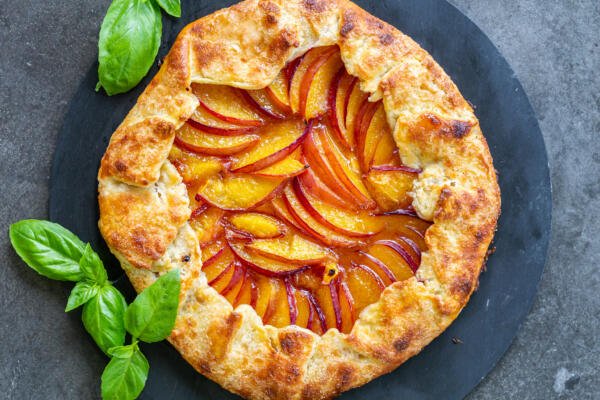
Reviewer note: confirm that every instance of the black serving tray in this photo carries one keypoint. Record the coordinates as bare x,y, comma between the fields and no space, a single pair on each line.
446,369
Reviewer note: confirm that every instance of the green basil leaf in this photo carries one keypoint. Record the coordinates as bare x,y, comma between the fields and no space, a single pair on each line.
48,248
92,267
151,316
103,318
124,378
171,7
128,44
81,294
123,351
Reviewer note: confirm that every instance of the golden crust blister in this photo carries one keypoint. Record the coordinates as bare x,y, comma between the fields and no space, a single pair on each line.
144,207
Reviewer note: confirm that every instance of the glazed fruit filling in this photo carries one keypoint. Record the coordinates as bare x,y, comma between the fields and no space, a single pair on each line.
300,201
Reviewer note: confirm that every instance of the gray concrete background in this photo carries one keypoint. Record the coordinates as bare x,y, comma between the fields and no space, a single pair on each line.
553,46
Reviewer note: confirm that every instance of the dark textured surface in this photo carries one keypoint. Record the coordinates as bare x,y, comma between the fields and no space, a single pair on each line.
554,51
444,370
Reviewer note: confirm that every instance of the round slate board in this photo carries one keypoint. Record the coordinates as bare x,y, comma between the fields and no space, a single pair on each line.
486,327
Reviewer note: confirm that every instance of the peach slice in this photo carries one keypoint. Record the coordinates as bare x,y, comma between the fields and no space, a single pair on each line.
347,97
263,265
346,302
303,308
291,248
212,249
231,290
314,185
193,167
257,225
215,265
361,129
277,141
278,93
207,225
413,249
248,292
386,152
364,285
220,281
390,188
339,92
262,103
289,167
398,247
309,225
272,304
290,70
304,74
264,290
317,322
278,312
406,225
356,224
201,142
318,163
238,192
226,103
419,233
313,100
345,167
308,284
413,246
280,207
290,291
392,260
371,274
376,129
202,119
378,266
335,301
355,99
330,309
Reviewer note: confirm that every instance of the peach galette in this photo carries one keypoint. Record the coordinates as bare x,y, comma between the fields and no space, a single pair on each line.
321,184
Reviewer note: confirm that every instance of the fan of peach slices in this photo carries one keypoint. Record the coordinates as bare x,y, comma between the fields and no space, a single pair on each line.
300,201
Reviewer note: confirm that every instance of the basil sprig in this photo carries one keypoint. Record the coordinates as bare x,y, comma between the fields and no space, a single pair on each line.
125,375
83,292
171,7
48,248
152,314
92,267
129,40
56,253
103,318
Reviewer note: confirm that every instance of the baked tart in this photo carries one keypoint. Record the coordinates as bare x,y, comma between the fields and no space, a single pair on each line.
321,184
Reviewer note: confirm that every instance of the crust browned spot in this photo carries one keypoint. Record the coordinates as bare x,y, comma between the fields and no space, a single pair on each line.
347,26
315,6
292,343
136,152
272,12
220,335
386,39
402,343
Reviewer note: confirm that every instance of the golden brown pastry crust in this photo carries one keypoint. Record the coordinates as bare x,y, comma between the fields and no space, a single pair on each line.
144,205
